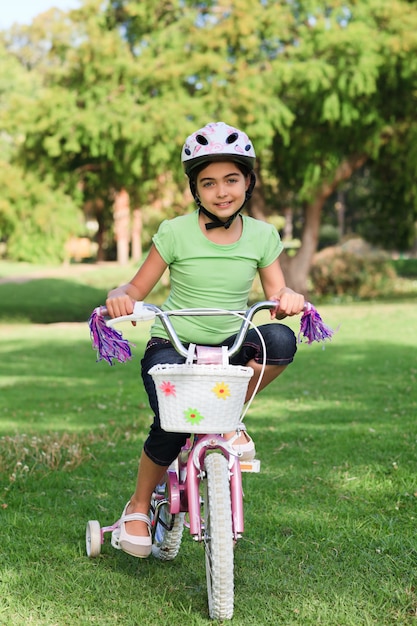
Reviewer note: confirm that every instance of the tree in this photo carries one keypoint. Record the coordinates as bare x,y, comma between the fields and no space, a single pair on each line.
347,99
125,81
36,218
297,75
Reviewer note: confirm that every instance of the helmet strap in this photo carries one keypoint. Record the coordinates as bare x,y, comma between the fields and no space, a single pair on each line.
215,222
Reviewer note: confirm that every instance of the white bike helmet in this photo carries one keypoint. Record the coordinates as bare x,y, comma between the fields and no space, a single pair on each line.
218,142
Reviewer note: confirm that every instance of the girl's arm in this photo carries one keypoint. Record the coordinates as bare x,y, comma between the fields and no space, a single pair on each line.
273,284
120,301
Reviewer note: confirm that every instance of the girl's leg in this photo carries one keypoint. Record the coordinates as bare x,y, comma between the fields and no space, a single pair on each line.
160,447
271,372
281,347
149,476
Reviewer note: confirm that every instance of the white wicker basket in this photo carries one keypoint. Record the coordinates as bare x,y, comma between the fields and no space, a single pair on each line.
200,398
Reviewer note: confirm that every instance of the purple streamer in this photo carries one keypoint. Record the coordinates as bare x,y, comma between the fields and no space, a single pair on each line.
312,327
108,342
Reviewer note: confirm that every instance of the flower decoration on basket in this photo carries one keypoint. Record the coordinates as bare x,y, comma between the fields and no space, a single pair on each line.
167,388
193,416
221,390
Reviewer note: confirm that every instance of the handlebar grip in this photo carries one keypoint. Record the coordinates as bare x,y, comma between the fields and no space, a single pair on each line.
141,313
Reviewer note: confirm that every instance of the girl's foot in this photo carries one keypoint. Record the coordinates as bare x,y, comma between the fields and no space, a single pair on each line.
244,445
138,528
132,538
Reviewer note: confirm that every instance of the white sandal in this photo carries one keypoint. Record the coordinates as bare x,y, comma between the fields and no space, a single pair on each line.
246,451
134,545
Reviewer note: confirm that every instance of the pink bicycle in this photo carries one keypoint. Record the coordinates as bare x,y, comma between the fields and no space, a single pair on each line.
203,487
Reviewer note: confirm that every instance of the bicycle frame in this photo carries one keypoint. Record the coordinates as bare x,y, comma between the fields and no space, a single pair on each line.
183,486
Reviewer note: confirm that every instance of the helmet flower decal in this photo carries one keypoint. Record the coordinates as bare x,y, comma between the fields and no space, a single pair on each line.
221,390
167,388
193,416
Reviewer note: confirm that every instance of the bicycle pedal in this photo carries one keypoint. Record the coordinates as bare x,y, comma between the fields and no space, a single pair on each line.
253,466
115,536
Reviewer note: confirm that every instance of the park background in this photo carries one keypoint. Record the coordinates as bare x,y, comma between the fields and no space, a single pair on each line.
95,104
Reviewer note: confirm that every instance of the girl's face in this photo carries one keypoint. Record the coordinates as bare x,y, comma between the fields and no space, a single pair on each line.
221,188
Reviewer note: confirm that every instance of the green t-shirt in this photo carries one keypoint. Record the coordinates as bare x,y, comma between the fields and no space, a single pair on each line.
204,274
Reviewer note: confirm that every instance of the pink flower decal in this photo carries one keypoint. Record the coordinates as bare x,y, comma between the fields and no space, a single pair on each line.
215,146
167,388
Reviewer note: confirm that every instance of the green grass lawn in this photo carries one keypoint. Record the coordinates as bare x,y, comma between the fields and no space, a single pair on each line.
330,520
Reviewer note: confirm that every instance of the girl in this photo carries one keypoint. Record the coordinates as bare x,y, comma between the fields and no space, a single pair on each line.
213,255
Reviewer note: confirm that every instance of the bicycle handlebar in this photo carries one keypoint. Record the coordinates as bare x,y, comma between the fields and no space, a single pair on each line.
111,346
144,311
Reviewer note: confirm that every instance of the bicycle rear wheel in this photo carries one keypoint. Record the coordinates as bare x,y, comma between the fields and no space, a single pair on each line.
168,530
218,537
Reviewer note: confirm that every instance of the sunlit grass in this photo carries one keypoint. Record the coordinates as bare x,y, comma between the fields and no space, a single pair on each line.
329,522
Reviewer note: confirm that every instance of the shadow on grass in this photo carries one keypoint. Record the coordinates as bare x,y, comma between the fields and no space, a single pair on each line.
375,381
51,381
48,300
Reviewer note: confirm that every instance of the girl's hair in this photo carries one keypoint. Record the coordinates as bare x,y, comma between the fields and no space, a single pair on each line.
246,171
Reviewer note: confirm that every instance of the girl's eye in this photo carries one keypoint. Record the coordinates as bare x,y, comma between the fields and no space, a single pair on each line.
211,183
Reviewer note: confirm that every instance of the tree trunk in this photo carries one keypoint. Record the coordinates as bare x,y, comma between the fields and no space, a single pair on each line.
297,268
340,212
136,235
287,234
121,216
100,238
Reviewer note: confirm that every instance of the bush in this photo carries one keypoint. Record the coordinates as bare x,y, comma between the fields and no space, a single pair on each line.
338,271
406,267
328,236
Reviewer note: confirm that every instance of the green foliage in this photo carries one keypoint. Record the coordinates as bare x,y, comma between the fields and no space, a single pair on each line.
328,236
379,200
119,84
345,94
337,272
35,219
406,267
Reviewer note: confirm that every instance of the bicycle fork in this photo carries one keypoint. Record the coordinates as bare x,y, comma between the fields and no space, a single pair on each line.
195,465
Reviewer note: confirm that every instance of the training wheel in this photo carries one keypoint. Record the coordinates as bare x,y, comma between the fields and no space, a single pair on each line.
93,539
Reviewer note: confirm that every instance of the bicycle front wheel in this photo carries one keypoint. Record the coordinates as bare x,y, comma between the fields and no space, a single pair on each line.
218,537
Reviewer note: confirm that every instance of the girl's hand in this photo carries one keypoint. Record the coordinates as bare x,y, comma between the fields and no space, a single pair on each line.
289,303
119,303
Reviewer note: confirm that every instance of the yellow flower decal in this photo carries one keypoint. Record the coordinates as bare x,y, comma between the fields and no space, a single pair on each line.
193,416
221,390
